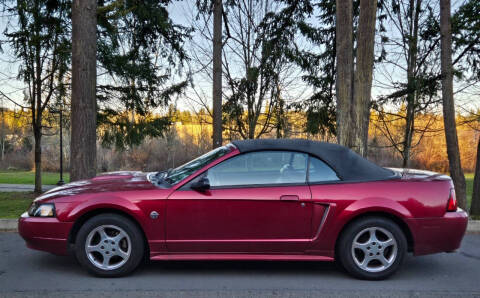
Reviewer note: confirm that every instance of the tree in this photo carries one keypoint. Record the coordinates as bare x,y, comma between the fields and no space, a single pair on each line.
255,69
320,67
409,66
409,48
333,39
456,171
362,85
354,84
140,58
84,76
311,48
345,68
42,44
466,29
255,93
217,73
412,44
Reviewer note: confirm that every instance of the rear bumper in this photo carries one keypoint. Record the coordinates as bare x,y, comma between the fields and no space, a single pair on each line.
47,234
442,234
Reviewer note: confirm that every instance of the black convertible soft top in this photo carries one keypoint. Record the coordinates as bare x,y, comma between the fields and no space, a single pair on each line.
349,165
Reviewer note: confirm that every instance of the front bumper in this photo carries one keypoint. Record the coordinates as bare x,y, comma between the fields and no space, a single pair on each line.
442,234
45,233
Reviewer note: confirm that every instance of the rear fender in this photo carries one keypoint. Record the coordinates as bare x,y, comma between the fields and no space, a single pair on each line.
339,217
374,205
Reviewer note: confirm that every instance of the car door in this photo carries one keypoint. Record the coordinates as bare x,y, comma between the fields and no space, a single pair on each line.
258,202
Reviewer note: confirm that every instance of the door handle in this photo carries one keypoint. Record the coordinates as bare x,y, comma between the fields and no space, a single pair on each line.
289,198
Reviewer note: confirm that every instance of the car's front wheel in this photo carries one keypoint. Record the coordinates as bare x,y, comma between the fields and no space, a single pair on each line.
109,245
372,248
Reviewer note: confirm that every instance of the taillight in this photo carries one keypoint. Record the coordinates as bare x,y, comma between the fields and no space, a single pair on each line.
452,201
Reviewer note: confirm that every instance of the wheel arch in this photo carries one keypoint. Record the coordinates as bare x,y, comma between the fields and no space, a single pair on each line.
396,219
94,212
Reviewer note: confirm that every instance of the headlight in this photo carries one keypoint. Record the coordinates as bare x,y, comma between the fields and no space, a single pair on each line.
42,210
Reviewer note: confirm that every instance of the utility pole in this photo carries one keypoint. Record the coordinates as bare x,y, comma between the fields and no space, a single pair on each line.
61,182
3,131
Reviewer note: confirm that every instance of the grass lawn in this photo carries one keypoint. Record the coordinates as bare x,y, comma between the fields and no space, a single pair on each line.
13,204
28,177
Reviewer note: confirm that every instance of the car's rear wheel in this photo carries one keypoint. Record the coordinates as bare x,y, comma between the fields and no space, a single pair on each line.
372,248
109,245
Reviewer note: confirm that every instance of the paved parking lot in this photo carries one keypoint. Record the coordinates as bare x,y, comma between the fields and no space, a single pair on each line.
25,272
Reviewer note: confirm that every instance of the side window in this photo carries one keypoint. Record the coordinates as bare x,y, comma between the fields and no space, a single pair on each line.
260,168
319,171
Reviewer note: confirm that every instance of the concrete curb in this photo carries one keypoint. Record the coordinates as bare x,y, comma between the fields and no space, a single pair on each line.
10,225
473,226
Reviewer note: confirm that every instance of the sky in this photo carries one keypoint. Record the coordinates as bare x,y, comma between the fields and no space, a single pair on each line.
182,13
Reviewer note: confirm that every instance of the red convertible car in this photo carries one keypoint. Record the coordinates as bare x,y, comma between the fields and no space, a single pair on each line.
252,200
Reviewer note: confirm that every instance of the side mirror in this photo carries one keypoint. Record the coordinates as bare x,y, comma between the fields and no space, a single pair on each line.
201,185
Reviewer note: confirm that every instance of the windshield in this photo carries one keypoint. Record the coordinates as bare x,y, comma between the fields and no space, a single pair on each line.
178,174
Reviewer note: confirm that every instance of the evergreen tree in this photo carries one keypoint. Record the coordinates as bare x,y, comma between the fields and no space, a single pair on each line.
40,39
140,51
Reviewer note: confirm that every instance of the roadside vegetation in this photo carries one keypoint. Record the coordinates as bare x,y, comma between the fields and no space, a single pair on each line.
13,204
28,177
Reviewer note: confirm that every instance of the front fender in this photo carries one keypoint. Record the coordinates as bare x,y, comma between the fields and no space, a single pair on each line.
72,211
110,202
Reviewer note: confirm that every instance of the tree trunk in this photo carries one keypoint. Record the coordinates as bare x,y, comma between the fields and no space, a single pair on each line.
84,114
37,135
344,81
475,208
409,129
364,73
411,80
217,73
456,171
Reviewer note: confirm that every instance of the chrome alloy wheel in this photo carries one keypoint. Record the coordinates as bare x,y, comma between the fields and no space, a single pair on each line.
374,249
108,247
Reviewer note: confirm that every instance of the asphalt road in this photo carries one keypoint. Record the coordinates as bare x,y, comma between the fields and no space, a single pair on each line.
25,272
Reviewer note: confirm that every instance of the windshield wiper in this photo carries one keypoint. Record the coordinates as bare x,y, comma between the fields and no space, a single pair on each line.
162,175
166,178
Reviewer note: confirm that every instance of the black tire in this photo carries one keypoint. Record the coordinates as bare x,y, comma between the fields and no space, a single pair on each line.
345,254
137,244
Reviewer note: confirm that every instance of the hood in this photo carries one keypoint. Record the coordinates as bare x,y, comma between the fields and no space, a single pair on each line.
419,175
107,182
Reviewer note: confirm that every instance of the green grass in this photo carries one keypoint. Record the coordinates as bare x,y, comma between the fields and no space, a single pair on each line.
28,177
13,204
